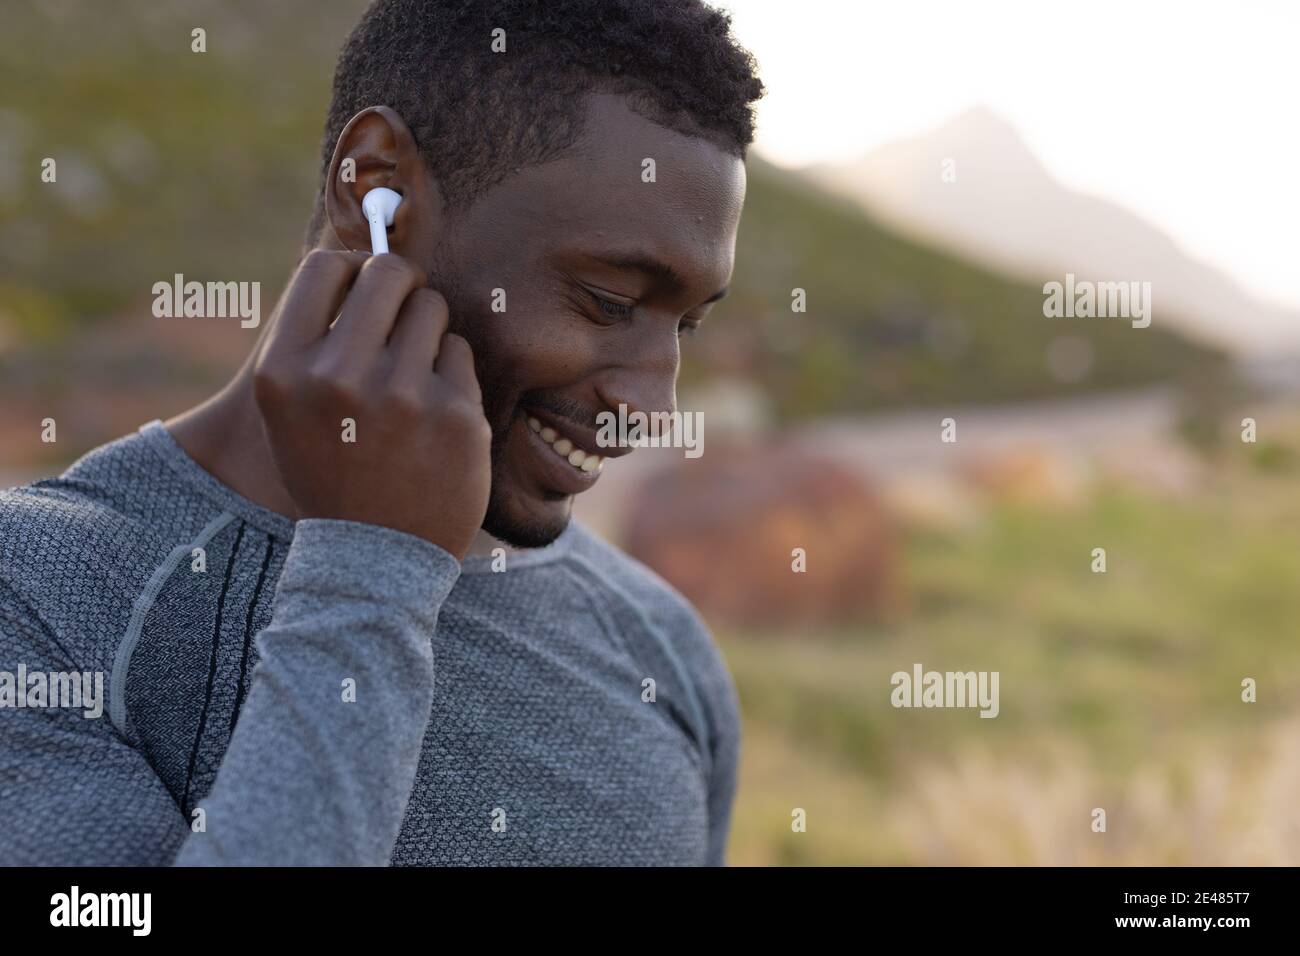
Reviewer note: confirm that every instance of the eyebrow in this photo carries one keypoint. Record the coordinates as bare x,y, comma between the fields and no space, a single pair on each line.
658,270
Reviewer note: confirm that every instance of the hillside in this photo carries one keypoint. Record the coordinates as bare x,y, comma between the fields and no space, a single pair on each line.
205,164
1005,209
891,321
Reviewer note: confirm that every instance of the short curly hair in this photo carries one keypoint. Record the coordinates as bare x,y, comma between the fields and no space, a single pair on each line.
479,115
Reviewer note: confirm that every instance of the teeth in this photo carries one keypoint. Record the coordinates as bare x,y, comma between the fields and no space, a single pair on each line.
563,447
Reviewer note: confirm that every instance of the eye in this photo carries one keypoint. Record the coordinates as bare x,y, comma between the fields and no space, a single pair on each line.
615,310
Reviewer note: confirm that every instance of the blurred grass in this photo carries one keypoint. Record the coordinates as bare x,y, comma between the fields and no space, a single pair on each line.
1118,690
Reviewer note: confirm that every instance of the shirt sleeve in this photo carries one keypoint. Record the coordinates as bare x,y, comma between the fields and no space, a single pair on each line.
73,792
321,763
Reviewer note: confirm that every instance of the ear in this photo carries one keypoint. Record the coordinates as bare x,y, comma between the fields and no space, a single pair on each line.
382,152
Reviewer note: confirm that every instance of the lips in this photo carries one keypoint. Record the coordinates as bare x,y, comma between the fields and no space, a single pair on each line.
554,477
565,448
570,457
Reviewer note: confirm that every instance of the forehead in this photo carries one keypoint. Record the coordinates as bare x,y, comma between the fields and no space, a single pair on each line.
597,197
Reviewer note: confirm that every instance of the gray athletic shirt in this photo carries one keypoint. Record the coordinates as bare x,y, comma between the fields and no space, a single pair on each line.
332,692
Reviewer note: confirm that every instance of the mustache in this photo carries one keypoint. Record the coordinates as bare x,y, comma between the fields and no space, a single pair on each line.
583,416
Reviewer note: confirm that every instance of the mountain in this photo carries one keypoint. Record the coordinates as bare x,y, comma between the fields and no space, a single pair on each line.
893,321
1003,208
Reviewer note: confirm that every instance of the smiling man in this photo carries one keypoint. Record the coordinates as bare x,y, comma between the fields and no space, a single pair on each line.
271,580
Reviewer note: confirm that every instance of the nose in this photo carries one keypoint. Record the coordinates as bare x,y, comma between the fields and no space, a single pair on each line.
646,379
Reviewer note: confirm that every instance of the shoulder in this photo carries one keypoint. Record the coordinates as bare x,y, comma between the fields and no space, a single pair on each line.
666,610
75,550
95,510
639,584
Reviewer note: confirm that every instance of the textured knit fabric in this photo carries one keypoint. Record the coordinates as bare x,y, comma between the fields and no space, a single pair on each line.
331,692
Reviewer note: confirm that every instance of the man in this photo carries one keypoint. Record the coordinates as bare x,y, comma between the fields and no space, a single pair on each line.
270,581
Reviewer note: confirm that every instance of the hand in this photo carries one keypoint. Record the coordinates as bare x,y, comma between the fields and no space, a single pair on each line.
420,461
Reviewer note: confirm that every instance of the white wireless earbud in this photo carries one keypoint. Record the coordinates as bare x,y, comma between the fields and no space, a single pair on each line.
379,205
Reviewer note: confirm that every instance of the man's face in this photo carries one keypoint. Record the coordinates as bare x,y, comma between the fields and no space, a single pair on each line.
601,272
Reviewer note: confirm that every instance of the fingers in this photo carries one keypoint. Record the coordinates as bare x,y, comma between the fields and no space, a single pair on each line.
313,298
371,307
387,319
455,362
417,334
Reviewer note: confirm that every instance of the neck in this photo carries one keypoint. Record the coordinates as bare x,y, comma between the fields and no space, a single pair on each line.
225,436
484,544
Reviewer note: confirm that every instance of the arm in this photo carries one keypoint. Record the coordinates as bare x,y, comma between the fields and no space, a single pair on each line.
307,779
383,520
73,792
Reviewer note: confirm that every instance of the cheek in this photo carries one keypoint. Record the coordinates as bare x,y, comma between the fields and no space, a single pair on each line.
538,346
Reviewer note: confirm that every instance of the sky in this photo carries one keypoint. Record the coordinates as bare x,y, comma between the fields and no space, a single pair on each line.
1186,113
